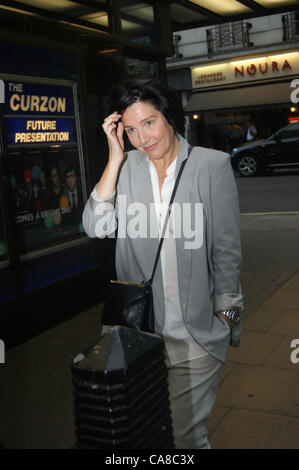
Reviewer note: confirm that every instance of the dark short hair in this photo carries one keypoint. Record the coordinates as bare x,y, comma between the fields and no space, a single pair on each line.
69,169
164,98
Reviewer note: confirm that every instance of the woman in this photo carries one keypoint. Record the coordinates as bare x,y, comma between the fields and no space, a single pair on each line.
196,287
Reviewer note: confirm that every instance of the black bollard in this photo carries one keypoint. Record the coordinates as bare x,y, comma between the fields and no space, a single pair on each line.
121,392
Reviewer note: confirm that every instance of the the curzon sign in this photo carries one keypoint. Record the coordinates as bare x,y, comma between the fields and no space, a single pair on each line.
241,71
39,113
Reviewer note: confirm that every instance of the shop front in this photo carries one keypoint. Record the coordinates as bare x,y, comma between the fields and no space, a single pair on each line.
227,95
43,188
51,154
46,173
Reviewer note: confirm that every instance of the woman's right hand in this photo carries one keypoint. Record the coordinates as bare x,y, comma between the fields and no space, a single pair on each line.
114,130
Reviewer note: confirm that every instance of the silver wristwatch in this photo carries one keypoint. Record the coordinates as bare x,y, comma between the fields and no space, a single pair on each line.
233,315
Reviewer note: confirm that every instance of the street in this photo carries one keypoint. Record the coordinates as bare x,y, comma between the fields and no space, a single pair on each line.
275,193
269,209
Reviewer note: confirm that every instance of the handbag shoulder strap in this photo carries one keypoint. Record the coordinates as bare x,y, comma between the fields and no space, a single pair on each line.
149,282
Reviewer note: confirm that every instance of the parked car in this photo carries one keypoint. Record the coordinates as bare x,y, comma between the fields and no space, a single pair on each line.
280,150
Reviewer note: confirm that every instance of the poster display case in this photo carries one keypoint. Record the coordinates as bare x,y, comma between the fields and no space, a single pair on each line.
45,165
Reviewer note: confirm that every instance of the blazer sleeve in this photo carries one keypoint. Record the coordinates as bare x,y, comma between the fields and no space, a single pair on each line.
100,215
226,239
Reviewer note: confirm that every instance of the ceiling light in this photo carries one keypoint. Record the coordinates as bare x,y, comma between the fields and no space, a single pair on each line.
227,7
276,3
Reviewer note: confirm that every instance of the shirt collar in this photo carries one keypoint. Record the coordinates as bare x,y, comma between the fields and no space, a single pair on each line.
169,171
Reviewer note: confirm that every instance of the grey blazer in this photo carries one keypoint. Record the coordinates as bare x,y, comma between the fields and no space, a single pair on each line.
209,276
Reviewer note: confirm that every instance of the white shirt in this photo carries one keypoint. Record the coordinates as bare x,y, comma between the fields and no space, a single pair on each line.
179,343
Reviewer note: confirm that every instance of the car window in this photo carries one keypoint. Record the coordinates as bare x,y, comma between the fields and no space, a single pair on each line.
289,133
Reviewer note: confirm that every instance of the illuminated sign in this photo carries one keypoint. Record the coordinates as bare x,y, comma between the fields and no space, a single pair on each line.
241,71
38,131
38,114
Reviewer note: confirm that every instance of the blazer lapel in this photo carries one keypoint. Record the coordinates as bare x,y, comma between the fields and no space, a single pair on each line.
183,255
144,193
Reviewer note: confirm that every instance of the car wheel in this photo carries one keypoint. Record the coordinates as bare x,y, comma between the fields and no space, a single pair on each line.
248,165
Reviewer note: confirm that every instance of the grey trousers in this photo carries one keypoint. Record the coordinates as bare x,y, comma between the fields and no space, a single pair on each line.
192,390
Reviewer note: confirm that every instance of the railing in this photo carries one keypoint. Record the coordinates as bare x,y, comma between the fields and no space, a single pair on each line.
290,26
227,36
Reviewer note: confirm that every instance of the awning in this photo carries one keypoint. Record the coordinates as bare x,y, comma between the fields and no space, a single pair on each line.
240,97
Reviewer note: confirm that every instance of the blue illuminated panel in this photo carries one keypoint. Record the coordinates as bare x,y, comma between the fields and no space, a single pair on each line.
38,99
37,114
45,169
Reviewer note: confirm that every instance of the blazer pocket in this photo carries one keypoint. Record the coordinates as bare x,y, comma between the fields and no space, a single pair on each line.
236,335
222,320
234,331
225,325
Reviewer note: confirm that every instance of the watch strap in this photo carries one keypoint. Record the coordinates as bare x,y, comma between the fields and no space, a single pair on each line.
232,314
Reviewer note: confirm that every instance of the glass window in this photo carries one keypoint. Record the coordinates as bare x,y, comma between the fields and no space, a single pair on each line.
48,196
45,164
291,132
296,22
137,22
3,243
95,12
138,67
7,275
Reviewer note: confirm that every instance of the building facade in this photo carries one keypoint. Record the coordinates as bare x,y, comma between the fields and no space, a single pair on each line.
235,72
59,59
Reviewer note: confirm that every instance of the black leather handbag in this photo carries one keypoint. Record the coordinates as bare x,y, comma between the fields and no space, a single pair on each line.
131,304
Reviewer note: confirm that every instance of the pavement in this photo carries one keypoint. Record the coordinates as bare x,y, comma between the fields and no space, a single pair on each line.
257,405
